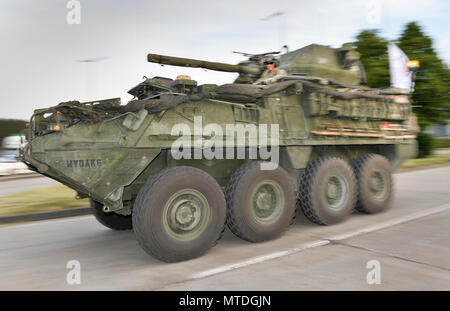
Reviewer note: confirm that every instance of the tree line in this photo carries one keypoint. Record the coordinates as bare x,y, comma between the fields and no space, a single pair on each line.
10,127
431,101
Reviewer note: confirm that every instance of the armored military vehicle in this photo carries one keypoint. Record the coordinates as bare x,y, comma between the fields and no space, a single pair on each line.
181,160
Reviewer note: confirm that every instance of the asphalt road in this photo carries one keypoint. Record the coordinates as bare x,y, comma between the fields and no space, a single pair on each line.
442,151
410,245
20,184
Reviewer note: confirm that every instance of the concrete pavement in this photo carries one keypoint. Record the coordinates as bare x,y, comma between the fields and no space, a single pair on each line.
412,256
8,187
410,241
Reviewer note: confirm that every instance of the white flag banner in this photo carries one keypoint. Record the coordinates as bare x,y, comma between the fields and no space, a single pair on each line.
400,73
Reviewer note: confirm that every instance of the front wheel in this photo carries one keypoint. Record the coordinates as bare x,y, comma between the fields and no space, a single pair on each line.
179,214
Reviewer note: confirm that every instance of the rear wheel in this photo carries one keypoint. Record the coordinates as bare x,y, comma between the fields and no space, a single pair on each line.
260,203
327,193
111,220
179,214
375,185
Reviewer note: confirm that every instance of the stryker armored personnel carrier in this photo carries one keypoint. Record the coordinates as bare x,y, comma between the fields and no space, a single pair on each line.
181,160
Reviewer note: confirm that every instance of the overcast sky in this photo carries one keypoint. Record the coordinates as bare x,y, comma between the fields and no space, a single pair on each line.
40,50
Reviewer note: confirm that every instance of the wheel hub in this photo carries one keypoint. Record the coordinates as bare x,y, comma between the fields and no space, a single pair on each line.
377,185
264,201
332,191
186,214
267,202
335,191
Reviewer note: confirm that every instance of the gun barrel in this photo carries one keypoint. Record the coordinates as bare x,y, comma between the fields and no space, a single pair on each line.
188,62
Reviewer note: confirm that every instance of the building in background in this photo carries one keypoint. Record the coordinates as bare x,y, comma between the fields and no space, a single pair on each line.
439,130
9,163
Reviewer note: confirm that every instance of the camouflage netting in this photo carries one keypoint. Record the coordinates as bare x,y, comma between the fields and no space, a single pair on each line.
164,102
243,93
75,110
229,92
350,94
239,93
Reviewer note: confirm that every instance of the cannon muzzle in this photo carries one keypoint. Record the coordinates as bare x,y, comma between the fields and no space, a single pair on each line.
195,63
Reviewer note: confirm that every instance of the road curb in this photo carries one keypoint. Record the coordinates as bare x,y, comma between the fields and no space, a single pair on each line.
20,176
81,211
421,168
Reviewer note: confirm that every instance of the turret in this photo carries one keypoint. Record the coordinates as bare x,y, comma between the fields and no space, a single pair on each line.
253,69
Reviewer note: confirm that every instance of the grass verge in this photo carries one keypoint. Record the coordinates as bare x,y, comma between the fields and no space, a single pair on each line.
442,142
431,160
40,200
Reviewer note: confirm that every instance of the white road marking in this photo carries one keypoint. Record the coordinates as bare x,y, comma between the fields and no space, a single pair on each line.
391,222
317,243
258,259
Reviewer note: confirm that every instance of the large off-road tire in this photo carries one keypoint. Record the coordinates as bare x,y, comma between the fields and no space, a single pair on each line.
111,220
328,191
179,214
260,203
375,184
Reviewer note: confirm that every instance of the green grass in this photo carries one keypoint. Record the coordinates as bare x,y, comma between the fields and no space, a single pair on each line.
40,200
431,160
442,142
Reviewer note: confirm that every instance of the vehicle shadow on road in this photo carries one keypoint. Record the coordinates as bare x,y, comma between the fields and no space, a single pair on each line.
123,247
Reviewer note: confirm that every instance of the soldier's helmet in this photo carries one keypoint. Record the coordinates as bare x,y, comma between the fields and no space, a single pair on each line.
270,59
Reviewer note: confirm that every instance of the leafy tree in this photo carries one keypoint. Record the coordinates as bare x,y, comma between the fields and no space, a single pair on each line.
426,143
431,95
431,98
374,57
9,127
